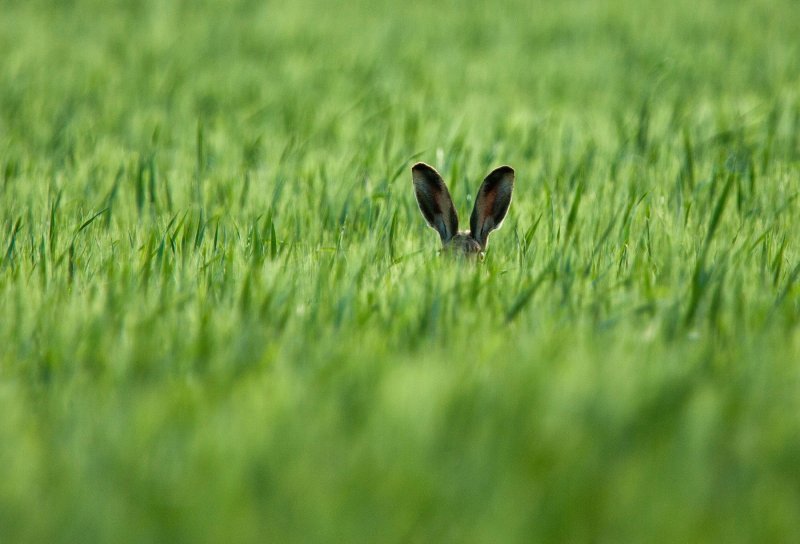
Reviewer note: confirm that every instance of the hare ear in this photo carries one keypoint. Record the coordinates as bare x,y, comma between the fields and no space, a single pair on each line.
491,204
434,200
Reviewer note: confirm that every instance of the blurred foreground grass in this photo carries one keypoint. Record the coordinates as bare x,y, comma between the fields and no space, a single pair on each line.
223,319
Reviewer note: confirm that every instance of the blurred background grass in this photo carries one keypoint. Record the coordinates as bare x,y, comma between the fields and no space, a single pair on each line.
223,317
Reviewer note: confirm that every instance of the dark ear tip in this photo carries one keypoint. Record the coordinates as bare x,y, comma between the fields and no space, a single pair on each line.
504,170
421,166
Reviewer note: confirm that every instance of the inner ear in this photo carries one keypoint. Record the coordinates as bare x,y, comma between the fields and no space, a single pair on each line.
434,200
492,203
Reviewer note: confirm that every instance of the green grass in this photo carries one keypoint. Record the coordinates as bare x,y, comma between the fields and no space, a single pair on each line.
223,319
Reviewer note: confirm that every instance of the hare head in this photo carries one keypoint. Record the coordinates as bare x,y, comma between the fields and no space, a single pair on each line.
491,206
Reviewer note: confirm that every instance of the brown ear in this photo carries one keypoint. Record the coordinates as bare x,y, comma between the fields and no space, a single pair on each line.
434,200
491,204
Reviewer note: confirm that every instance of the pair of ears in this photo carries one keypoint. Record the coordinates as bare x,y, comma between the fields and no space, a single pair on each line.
436,205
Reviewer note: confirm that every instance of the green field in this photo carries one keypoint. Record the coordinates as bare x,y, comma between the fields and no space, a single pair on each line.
223,318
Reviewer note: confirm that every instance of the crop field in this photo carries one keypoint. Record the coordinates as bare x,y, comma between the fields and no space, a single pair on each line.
224,319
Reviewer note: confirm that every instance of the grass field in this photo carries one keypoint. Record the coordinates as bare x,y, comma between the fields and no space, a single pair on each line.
223,318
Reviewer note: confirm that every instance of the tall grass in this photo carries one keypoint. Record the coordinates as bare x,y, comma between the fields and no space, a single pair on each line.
222,317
